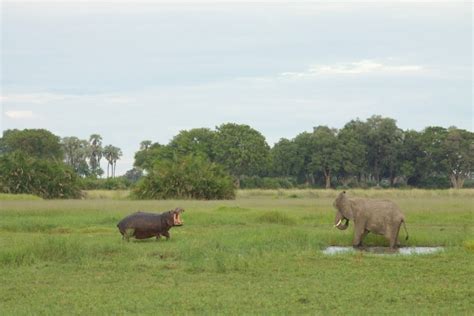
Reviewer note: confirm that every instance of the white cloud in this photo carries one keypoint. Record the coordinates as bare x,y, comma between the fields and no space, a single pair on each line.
35,98
53,98
19,115
363,67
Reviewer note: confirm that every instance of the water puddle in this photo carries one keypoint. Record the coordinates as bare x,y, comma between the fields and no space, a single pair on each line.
384,250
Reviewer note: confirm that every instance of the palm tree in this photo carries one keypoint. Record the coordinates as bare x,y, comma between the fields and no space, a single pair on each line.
144,145
111,154
116,156
96,153
107,152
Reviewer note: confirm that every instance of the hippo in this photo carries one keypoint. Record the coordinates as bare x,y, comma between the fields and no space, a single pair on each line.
142,225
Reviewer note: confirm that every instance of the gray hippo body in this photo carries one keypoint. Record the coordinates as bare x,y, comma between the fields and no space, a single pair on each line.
142,225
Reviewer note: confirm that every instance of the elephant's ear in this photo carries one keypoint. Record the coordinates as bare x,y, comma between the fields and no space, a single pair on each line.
349,210
346,208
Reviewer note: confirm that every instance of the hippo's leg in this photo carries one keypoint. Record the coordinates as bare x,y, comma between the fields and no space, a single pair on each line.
124,236
166,234
128,233
158,236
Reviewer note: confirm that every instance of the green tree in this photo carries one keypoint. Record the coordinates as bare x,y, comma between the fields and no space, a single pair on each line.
383,142
147,155
144,145
133,175
188,177
107,151
411,158
305,149
194,141
117,153
111,154
353,160
76,152
23,173
242,150
459,155
96,153
392,160
326,157
285,161
38,143
431,164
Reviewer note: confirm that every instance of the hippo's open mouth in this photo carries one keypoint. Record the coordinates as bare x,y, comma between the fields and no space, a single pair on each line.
177,219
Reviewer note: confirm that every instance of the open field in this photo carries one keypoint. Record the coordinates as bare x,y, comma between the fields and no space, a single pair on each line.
260,253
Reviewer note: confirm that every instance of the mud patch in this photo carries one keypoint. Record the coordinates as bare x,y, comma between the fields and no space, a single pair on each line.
333,250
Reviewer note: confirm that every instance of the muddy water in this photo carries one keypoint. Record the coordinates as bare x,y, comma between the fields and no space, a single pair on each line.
384,250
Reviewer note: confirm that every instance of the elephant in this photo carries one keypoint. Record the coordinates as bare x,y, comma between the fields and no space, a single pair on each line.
382,217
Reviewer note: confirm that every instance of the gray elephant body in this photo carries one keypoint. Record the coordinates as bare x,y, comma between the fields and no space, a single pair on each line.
382,217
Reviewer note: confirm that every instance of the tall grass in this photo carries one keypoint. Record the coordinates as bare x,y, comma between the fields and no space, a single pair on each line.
259,254
18,197
63,249
106,194
368,193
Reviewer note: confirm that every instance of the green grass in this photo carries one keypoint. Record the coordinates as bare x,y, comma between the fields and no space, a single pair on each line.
16,197
106,194
258,254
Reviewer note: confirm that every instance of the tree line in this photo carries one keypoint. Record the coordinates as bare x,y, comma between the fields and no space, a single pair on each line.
374,152
84,156
38,162
205,164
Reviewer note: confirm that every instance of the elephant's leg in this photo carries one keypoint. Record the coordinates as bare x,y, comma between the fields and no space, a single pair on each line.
359,233
394,237
363,235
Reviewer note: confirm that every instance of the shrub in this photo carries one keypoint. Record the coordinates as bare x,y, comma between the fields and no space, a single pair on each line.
118,183
469,183
189,177
20,174
435,182
256,182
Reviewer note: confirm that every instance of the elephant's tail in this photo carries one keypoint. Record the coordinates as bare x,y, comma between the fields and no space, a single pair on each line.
406,231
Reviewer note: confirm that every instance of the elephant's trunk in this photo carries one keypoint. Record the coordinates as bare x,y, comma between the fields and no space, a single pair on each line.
338,221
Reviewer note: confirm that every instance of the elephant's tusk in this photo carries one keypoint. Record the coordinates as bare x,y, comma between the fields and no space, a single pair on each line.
338,223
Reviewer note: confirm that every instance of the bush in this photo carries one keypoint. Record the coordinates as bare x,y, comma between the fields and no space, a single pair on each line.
469,183
189,177
256,182
119,183
49,179
435,182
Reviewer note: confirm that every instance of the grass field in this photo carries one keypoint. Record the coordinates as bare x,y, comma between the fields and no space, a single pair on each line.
258,254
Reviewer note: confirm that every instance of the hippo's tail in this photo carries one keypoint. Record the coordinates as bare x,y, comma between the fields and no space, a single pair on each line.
406,231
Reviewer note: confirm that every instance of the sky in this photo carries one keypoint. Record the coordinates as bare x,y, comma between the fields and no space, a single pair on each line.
145,70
